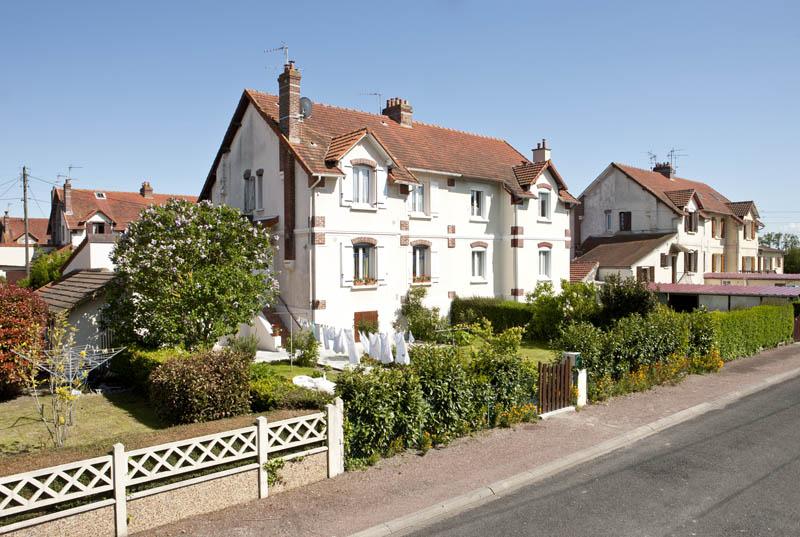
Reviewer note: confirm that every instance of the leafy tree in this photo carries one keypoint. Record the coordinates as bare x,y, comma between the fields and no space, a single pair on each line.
577,302
23,317
188,274
45,268
623,297
791,261
424,323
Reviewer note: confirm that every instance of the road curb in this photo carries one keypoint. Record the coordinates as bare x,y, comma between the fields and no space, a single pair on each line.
506,486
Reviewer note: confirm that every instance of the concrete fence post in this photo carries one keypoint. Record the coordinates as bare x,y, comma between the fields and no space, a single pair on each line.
583,389
120,475
335,438
262,446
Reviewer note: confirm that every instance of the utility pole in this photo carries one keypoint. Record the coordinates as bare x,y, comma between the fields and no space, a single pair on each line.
25,218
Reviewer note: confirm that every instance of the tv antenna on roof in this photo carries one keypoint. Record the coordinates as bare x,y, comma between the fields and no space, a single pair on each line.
377,94
653,158
283,48
673,155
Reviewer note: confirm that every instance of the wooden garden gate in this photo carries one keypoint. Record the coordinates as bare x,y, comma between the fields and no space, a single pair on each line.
555,386
797,329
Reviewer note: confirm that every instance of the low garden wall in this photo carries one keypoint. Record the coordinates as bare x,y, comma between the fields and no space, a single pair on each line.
140,489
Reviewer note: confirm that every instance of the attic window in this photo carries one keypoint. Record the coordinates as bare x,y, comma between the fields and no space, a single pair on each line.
100,195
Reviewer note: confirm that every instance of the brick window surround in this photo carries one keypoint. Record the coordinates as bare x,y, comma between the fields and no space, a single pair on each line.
421,243
365,240
544,245
364,162
544,186
478,244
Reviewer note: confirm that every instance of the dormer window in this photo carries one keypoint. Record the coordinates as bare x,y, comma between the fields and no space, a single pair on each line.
362,184
544,205
98,228
100,195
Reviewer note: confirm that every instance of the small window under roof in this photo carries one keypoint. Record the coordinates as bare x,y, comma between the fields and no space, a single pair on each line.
100,195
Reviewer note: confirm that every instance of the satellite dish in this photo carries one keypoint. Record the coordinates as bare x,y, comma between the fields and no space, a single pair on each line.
306,106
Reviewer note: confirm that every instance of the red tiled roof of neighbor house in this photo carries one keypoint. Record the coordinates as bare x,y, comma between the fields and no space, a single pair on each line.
422,146
741,208
596,240
751,276
37,228
726,290
121,208
580,270
709,199
625,252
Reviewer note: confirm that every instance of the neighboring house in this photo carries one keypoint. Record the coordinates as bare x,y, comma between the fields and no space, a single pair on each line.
583,271
12,244
770,259
689,297
76,213
81,295
750,279
367,205
658,227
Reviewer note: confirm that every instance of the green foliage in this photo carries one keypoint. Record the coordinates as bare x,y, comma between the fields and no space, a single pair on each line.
45,268
134,365
791,261
273,468
503,314
512,381
384,412
367,326
423,322
746,332
307,348
621,297
188,274
702,333
590,341
23,318
270,391
202,387
246,345
576,303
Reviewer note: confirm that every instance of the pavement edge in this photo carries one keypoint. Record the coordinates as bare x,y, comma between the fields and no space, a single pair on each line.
474,498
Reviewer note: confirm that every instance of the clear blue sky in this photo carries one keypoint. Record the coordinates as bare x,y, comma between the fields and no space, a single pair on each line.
135,90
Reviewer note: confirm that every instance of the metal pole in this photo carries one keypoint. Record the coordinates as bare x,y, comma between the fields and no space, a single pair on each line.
25,218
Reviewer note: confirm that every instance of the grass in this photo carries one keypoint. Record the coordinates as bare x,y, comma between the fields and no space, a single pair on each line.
287,371
533,351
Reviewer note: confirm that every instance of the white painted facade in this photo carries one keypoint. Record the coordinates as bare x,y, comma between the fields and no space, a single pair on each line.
323,268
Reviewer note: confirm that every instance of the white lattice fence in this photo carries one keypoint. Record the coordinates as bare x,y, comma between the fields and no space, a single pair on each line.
103,481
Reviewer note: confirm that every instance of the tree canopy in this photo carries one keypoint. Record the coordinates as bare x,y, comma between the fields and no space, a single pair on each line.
45,268
188,274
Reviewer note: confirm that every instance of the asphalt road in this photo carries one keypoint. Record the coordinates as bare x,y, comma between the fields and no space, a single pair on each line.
732,472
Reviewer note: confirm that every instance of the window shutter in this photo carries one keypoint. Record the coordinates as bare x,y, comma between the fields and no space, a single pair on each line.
378,186
664,260
346,189
346,259
713,227
651,274
435,264
381,265
432,198
696,221
410,267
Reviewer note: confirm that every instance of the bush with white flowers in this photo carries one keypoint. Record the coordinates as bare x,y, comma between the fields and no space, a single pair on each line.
188,274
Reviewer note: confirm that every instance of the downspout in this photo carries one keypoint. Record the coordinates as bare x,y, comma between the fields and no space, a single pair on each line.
313,248
515,251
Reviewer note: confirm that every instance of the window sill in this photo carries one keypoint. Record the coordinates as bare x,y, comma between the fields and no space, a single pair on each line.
419,216
544,220
364,207
370,287
478,281
479,219
421,284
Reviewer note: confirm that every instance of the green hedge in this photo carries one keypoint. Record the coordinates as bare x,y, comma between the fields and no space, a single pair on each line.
503,314
270,391
134,365
745,332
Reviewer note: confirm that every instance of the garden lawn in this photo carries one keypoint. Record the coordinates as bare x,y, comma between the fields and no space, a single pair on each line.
536,352
287,371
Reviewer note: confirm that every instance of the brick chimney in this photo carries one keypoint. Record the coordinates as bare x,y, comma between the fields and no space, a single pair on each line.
665,169
399,110
542,152
146,191
289,101
68,196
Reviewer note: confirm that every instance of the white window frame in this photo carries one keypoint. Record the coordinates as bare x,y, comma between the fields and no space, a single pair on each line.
363,187
421,257
543,205
477,201
418,199
361,252
547,255
478,263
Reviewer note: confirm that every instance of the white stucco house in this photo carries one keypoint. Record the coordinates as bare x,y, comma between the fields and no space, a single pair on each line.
654,226
12,244
366,206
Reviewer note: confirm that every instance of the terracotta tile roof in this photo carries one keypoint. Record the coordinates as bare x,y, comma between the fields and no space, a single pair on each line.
423,146
709,199
626,250
751,276
121,207
580,270
680,197
726,290
37,228
741,208
341,144
74,289
528,172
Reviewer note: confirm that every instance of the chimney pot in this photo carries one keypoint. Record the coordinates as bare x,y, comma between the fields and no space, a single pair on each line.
665,169
399,111
542,152
146,191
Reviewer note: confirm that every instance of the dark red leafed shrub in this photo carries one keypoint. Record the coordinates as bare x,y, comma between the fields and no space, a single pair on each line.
202,387
23,318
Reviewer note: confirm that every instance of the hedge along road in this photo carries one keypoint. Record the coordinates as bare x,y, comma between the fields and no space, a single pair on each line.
729,472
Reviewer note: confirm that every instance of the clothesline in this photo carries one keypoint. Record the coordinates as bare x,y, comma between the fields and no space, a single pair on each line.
377,345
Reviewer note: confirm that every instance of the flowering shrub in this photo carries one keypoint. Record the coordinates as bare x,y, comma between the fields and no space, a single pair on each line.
188,274
201,387
23,317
